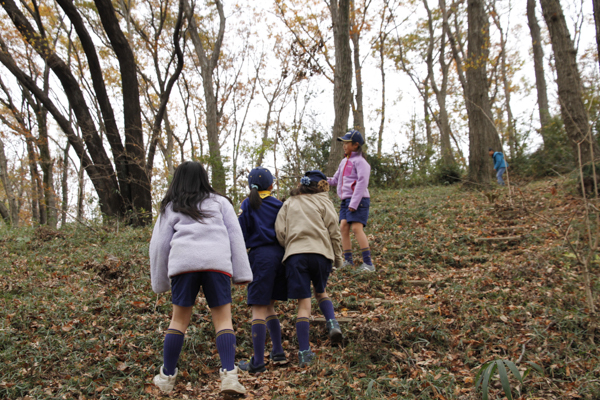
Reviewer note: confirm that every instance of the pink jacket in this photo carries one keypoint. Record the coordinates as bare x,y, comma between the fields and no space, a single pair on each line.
352,179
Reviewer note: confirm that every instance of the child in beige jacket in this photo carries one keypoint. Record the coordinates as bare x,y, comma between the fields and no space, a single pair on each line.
307,226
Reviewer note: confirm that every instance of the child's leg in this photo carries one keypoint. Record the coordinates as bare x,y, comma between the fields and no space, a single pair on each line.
346,242
274,328
221,317
259,333
363,242
325,305
302,325
174,337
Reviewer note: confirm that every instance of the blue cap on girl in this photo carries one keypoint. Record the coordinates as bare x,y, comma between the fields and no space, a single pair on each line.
260,178
313,176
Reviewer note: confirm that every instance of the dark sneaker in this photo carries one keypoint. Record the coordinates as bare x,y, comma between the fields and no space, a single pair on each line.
305,358
334,331
248,366
278,358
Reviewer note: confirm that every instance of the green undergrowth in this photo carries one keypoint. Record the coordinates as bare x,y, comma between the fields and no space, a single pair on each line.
79,319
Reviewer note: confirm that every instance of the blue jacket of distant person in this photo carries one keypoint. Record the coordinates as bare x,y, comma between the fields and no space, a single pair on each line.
499,161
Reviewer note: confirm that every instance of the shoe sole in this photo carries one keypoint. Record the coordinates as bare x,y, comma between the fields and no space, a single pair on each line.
336,337
233,391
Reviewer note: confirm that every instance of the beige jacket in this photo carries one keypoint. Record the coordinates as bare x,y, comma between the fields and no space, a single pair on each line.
308,223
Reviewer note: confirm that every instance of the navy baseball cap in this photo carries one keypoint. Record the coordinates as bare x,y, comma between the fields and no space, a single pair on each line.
260,177
316,176
352,136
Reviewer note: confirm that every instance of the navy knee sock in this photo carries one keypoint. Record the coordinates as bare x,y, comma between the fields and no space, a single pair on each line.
171,350
348,256
275,333
302,327
226,348
259,333
366,254
326,307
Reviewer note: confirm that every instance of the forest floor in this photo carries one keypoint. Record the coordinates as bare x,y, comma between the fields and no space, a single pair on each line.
79,320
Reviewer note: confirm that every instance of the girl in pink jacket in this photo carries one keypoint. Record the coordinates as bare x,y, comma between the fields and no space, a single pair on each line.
352,180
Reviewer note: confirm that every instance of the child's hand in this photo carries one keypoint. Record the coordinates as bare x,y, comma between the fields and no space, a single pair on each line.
351,209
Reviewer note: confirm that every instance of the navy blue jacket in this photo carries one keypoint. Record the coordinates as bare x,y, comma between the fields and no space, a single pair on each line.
258,226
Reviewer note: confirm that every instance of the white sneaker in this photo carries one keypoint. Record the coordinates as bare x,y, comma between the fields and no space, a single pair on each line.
165,382
229,382
366,268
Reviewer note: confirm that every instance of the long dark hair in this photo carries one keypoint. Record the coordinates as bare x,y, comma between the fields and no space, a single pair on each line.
254,199
188,189
313,188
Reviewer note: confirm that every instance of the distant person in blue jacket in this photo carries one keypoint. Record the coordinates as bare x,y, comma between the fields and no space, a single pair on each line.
499,164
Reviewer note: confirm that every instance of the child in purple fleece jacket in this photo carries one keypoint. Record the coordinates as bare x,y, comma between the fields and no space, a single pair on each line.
352,180
197,242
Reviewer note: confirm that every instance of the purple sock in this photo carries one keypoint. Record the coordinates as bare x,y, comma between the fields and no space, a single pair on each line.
348,256
259,333
275,333
326,307
171,350
302,327
366,253
226,348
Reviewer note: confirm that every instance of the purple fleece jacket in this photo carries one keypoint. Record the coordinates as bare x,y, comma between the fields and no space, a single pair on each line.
181,244
352,179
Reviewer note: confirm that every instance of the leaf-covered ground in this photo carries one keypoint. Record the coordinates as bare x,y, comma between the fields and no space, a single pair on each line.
78,318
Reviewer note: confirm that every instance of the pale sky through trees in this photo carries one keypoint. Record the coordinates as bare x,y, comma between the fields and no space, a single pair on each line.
252,33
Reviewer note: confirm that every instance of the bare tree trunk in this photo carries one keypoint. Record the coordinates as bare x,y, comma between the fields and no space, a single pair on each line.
428,133
570,91
46,163
357,112
597,23
38,211
538,62
13,209
482,133
381,50
207,67
342,79
64,183
444,125
80,193
512,140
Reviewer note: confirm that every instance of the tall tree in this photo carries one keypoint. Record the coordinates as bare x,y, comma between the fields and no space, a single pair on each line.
358,22
570,90
342,80
596,4
482,132
440,91
538,62
513,144
208,63
10,214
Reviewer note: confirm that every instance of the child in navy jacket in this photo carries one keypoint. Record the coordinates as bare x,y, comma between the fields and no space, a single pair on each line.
257,220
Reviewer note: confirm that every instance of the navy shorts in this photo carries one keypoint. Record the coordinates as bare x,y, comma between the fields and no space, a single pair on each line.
215,285
269,281
360,215
302,269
